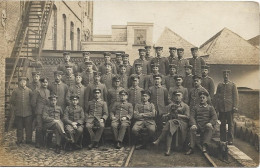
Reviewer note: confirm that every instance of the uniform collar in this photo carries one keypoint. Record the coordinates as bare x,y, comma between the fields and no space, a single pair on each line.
22,88
159,86
226,82
79,85
146,103
203,105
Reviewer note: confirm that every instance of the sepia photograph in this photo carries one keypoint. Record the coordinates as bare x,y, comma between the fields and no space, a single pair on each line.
129,83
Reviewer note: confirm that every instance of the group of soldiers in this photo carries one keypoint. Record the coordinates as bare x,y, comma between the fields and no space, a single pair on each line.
157,95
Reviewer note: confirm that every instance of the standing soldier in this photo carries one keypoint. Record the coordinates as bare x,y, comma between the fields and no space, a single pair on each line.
60,89
87,75
107,77
196,61
227,105
66,58
40,100
77,89
159,97
83,66
202,120
35,84
148,56
173,55
107,58
169,79
188,80
142,77
69,78
141,60
155,71
113,93
126,63
178,114
144,115
161,61
206,81
123,76
119,61
121,114
194,98
134,92
51,116
89,94
73,120
95,116
178,87
22,106
181,62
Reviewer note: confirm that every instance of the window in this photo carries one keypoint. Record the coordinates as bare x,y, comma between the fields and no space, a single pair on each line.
72,35
139,36
78,39
64,31
54,27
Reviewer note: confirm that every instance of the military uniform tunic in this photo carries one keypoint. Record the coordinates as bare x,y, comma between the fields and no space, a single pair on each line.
181,63
134,95
102,68
61,90
181,89
169,81
62,67
196,63
34,85
113,96
142,81
163,64
69,80
150,81
87,78
159,97
124,81
78,90
208,83
107,80
144,63
188,82
82,67
194,98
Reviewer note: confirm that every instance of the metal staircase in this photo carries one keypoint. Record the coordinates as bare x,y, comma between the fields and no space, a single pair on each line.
32,29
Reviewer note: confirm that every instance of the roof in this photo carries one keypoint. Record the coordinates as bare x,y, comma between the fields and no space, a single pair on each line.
169,38
254,41
227,47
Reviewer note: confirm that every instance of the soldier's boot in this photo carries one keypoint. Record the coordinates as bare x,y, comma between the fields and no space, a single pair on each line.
168,145
49,139
57,149
38,139
160,138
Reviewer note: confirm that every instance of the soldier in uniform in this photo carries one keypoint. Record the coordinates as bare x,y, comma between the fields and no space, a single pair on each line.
155,71
35,84
83,66
173,55
69,78
60,89
169,79
159,97
141,60
227,105
95,116
206,81
77,89
87,75
202,120
188,80
126,63
196,61
178,118
61,66
121,114
148,56
123,76
178,87
107,77
134,92
161,61
89,95
144,115
22,106
181,62
194,98
73,120
113,93
107,58
119,61
142,77
51,116
40,100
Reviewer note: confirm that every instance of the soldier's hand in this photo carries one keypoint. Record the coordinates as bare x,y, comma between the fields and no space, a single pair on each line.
209,125
194,127
113,118
101,120
123,118
235,109
55,120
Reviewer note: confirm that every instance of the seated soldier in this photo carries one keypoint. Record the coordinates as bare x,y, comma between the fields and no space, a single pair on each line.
96,115
144,114
202,120
73,120
52,115
121,115
178,115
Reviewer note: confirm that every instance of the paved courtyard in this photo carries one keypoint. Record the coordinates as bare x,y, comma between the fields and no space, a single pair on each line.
28,155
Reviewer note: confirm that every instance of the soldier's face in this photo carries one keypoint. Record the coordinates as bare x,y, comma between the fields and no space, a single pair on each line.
205,72
78,79
96,78
158,81
155,69
172,52
145,97
138,69
188,71
194,53
226,76
125,59
119,59
123,97
107,59
45,84
122,70
74,102
159,52
66,58
142,53
197,82
117,83
89,68
179,81
180,53
97,95
148,51
172,71
69,71
22,83
57,77
203,99
178,97
135,82
86,58
53,102
36,78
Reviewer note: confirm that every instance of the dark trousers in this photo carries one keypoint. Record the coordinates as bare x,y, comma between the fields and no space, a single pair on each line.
58,133
119,129
205,136
95,137
226,118
21,123
39,133
74,133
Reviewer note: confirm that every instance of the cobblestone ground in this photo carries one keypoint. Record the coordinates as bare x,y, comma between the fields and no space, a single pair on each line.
28,155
